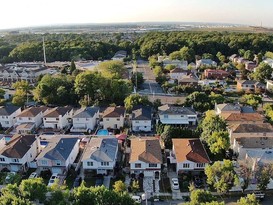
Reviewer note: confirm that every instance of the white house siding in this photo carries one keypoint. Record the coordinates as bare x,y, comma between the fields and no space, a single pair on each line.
86,123
37,120
181,166
9,121
178,76
178,119
113,122
142,125
97,166
26,159
56,122
145,169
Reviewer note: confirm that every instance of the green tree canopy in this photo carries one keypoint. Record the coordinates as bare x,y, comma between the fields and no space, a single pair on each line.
112,69
251,99
263,72
221,175
250,199
135,99
218,142
199,100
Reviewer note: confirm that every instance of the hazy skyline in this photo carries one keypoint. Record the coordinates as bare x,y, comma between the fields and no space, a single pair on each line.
24,13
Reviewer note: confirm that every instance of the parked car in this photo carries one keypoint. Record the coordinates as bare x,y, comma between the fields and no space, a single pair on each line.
259,195
52,179
77,182
175,183
137,199
9,177
33,175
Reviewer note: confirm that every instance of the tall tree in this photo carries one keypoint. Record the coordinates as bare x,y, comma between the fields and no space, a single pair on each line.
263,72
33,189
135,99
22,90
250,199
221,175
218,142
137,79
112,69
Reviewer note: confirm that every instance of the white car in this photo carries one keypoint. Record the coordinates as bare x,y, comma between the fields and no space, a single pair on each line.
52,179
9,177
33,175
137,199
175,183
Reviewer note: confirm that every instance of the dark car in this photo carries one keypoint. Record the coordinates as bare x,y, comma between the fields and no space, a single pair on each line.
99,182
77,182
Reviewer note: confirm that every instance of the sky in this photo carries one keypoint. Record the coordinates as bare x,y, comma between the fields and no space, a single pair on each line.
24,13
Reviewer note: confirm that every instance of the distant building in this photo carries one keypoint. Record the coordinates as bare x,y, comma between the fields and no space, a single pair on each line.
206,62
269,85
113,117
250,65
142,119
120,55
250,85
216,74
8,114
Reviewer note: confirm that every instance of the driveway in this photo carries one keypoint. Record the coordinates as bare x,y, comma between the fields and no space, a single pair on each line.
106,181
176,194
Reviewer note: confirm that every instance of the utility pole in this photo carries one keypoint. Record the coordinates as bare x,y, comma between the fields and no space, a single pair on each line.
44,50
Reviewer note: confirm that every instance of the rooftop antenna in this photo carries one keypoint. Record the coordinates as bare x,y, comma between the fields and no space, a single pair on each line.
44,50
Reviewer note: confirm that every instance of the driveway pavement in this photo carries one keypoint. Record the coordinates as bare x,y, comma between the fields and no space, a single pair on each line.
106,181
176,194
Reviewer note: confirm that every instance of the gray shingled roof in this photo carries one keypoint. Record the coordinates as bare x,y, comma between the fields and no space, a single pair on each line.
142,113
229,107
170,109
58,149
18,146
57,111
101,149
86,112
8,110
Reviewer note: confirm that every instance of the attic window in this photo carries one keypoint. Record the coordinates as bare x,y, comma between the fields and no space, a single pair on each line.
2,159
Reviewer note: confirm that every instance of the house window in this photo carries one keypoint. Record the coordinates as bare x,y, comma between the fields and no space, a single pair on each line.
20,118
104,163
2,159
137,121
137,165
58,162
57,118
44,162
166,116
186,165
152,165
3,117
118,119
182,115
15,160
90,164
6,122
87,119
44,118
200,164
107,119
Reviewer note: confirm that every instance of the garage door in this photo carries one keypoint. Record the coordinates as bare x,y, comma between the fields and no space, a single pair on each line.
56,170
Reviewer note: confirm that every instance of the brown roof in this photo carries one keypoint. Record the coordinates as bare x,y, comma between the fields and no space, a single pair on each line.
252,128
190,149
242,116
114,111
179,70
57,111
32,111
146,149
18,146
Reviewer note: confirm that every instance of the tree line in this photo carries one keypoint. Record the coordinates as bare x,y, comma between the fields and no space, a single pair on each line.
184,44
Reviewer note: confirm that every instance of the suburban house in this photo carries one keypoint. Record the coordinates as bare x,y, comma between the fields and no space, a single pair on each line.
120,55
189,80
181,64
269,85
145,157
232,57
205,62
100,155
58,155
141,119
269,61
58,117
246,118
264,130
188,155
19,153
30,119
250,85
113,117
178,74
227,108
17,72
216,74
250,65
174,115
85,119
8,114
